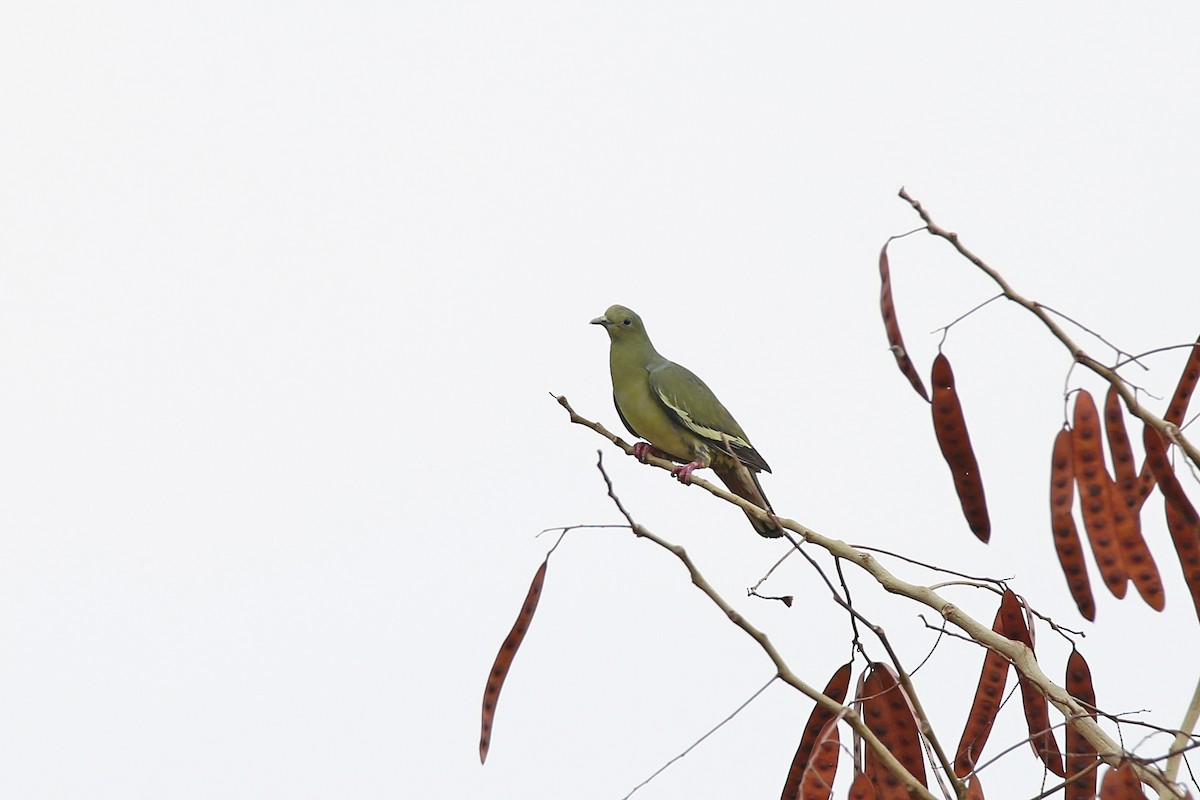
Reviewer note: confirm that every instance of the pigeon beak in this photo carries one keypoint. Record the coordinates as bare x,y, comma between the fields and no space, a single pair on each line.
599,321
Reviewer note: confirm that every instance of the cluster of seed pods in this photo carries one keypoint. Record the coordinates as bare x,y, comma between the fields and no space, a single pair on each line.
1081,760
1111,503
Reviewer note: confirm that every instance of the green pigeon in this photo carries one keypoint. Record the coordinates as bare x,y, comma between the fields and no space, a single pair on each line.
668,406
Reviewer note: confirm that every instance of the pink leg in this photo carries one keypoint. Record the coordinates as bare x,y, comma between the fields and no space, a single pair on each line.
684,472
642,450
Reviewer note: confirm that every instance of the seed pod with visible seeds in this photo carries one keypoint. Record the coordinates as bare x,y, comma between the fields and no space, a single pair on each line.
951,428
1118,443
892,326
495,682
988,694
1081,754
817,780
886,712
1183,390
1185,535
1062,523
1135,554
862,788
838,684
1156,459
1127,528
1037,713
1175,414
1182,520
1094,496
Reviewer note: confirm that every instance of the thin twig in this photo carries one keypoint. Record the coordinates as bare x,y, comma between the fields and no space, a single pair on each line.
694,744
1132,358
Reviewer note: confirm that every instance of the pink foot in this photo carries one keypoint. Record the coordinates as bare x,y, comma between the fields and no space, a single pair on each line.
643,450
684,473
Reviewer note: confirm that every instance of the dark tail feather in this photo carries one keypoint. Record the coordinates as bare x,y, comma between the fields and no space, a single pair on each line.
736,481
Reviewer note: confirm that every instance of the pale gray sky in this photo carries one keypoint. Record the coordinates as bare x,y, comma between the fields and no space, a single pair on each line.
284,289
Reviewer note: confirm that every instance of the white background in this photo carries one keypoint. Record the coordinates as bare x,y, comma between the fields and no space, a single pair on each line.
284,289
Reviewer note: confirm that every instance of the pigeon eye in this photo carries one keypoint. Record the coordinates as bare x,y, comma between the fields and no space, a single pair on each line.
627,322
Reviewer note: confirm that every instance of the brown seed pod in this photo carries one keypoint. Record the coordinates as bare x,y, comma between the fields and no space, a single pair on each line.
1145,485
1164,474
974,789
886,712
1118,442
1062,523
817,781
862,788
1135,555
495,682
1121,783
1183,390
1037,712
1185,534
837,687
1081,754
1175,414
1182,519
988,694
1094,496
892,326
951,428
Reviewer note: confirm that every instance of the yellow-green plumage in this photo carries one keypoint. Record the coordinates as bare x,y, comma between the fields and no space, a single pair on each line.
668,406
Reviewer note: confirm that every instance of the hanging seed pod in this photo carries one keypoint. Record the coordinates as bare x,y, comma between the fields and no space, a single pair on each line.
1177,409
1185,535
1135,554
1127,528
504,659
951,428
838,684
1037,713
817,780
887,713
892,326
862,788
1062,523
1121,783
974,789
1118,443
1164,474
1182,519
988,694
1094,496
1081,754
1145,485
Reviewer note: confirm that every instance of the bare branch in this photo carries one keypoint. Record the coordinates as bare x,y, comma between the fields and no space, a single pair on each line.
1021,656
914,787
1167,430
1183,737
